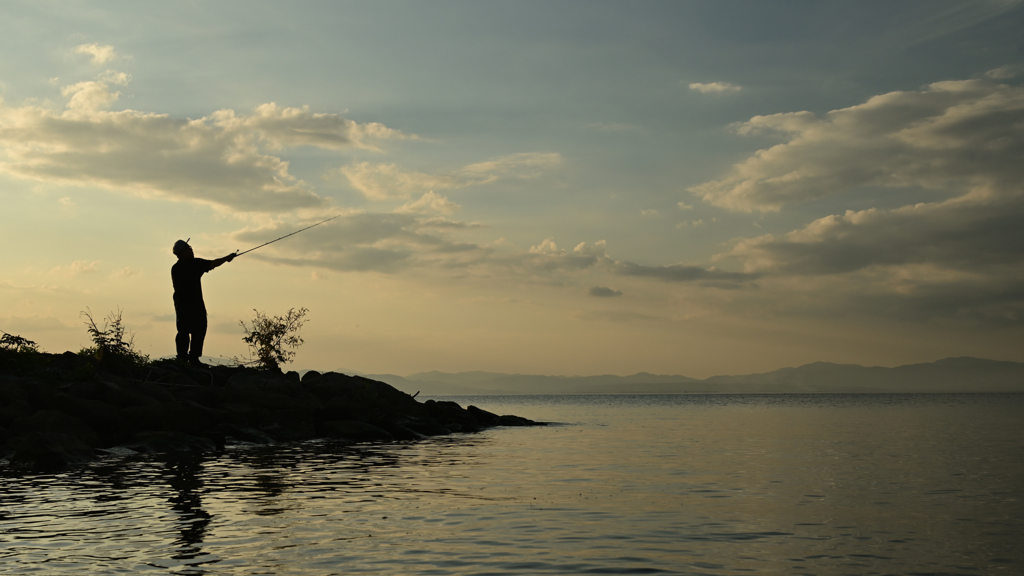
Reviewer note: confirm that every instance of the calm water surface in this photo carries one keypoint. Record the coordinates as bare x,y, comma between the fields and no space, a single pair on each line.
676,484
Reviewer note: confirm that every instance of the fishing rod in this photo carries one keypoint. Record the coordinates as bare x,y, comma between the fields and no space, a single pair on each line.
237,253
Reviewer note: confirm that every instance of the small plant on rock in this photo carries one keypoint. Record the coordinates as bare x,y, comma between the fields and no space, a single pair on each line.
17,344
272,339
110,345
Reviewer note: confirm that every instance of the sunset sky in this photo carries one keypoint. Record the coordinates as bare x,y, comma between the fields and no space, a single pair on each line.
572,187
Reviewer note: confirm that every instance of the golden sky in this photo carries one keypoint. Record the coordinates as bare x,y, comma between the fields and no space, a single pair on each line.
573,188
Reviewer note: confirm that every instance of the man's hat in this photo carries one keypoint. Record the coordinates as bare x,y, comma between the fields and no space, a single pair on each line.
180,246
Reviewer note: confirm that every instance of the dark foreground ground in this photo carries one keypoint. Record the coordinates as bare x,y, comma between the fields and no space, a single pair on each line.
58,410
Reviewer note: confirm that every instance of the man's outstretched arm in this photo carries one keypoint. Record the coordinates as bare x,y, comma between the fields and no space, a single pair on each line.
220,261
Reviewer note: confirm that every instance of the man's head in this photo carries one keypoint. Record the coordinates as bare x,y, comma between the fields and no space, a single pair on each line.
182,250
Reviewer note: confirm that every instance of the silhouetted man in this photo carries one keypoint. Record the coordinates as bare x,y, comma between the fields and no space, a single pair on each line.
189,308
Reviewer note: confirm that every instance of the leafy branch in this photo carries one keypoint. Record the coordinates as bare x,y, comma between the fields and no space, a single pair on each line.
17,344
272,339
113,345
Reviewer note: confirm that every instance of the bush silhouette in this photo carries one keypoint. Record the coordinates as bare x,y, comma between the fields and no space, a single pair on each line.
110,346
17,344
272,339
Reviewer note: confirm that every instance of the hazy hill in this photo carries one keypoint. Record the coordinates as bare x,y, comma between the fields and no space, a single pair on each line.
948,375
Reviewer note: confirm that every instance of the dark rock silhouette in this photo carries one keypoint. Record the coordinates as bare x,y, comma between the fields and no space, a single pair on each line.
60,410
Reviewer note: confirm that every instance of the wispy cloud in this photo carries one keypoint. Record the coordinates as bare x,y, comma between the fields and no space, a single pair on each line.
428,203
368,242
947,134
604,292
685,273
1005,72
715,87
99,53
386,181
614,127
76,268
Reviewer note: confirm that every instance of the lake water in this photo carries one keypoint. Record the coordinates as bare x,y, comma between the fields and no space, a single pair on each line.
624,484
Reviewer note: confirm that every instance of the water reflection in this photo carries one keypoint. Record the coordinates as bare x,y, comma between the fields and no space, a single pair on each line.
183,475
634,485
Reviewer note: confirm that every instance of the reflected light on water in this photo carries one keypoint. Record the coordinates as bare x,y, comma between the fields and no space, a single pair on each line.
624,484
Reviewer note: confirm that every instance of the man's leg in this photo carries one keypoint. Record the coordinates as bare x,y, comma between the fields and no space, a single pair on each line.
198,331
181,339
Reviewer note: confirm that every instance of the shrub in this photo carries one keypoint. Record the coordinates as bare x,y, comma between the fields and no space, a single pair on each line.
109,344
17,344
270,337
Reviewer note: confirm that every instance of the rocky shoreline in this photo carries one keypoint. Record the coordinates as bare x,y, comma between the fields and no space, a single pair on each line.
59,410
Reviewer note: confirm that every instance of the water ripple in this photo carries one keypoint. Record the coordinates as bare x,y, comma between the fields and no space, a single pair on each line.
634,485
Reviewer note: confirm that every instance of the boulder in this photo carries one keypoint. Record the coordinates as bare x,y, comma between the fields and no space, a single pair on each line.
170,442
49,450
354,430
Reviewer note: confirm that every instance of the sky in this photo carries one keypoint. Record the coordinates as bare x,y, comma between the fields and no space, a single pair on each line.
564,188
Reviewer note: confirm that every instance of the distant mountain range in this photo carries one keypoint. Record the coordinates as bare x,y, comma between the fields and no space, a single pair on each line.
948,375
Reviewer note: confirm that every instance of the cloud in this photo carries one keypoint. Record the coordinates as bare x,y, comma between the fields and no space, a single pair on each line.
958,257
547,257
429,202
948,135
957,234
618,316
26,325
127,272
114,77
409,243
604,292
686,223
76,268
100,54
385,181
367,242
614,127
715,87
413,238
1004,72
685,273
649,212
88,96
278,127
222,160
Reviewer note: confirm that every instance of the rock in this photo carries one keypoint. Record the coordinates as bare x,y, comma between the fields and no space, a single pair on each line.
55,422
12,410
482,416
509,420
233,433
169,442
59,410
452,416
100,417
354,430
290,424
426,428
49,450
